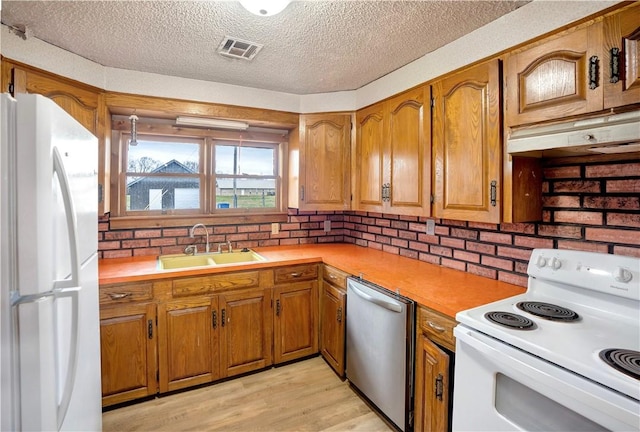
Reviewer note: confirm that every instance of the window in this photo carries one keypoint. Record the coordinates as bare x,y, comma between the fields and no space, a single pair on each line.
167,175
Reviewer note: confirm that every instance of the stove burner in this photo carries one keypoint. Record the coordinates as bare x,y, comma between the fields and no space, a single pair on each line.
624,360
548,311
510,320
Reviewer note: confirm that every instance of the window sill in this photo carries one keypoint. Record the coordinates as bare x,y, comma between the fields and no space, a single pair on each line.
129,222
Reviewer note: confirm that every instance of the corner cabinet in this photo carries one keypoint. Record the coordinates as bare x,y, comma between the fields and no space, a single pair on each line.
333,317
393,153
319,172
467,144
434,371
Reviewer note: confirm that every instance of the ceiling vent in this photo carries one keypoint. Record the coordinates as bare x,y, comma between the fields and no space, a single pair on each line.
238,48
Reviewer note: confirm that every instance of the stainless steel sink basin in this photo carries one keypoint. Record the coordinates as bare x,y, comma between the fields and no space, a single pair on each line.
180,261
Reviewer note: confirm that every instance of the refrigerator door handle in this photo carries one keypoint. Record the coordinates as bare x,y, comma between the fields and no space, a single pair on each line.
72,225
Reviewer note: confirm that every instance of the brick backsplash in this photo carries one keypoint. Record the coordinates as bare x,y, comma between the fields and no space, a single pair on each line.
301,228
586,206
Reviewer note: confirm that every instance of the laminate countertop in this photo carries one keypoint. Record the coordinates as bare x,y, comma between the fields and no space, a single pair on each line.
443,289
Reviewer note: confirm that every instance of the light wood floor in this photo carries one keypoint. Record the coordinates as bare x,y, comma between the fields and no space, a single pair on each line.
303,396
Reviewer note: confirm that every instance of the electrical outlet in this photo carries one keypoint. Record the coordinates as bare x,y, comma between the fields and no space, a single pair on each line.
275,228
327,226
431,227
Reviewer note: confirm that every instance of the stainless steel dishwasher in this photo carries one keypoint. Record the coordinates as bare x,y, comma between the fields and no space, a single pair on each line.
380,349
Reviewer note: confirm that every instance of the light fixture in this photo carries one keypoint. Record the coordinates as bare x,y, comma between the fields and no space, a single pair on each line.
134,130
211,123
265,7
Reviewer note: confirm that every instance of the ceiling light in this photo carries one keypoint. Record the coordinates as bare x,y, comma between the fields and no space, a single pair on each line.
211,123
265,7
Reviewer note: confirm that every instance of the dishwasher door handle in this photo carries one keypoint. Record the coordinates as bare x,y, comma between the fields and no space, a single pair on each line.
392,306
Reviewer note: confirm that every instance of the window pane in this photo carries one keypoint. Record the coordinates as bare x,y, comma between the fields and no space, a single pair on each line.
245,193
169,157
169,193
244,160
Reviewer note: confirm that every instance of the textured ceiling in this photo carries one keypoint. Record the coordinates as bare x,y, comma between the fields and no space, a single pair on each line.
310,47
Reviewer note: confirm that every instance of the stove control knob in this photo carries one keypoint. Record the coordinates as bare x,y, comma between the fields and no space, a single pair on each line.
541,262
556,263
622,275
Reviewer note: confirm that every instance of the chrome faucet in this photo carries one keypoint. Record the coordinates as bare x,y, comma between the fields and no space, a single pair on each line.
206,231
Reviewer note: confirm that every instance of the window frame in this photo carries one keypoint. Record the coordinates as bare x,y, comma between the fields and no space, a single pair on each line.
120,218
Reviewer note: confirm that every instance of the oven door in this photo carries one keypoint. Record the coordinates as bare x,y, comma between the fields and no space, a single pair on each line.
500,388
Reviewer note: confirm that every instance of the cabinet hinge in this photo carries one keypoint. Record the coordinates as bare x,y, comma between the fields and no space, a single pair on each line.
431,199
157,375
433,102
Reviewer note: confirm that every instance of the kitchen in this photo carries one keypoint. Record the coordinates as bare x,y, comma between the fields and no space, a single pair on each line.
585,205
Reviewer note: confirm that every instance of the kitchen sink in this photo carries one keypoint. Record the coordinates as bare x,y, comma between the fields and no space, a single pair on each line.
180,261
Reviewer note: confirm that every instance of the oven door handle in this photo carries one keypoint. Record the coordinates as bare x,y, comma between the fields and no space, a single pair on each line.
568,388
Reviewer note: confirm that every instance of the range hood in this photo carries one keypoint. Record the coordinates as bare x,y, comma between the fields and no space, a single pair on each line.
615,133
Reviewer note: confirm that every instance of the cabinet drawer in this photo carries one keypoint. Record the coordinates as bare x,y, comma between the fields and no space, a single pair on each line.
113,294
438,327
334,276
209,284
295,273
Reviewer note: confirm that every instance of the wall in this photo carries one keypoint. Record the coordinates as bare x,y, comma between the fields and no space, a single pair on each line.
592,206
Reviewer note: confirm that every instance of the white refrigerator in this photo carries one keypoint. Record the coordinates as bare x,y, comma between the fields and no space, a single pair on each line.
49,316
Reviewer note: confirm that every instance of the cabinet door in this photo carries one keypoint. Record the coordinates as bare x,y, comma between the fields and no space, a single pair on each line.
467,144
622,77
324,162
189,352
246,331
332,326
295,321
432,387
408,153
128,352
551,80
369,158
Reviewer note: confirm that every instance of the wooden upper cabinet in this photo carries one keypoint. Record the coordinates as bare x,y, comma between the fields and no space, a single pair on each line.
324,160
552,79
83,102
370,155
467,144
393,154
622,57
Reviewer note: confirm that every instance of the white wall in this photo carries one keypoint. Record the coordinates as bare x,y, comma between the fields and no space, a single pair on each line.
527,22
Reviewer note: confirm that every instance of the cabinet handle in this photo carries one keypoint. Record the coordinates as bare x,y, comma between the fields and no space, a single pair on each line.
301,193
614,66
439,387
339,317
435,326
296,274
278,307
493,192
214,319
118,296
593,72
150,329
224,317
332,277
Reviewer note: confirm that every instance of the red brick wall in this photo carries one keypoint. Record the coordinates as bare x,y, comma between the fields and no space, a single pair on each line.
592,207
300,228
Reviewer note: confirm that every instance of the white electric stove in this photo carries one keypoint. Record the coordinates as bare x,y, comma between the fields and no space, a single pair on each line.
565,355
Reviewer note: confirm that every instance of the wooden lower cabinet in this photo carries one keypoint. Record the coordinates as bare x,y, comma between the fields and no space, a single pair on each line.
333,303
246,331
188,346
295,321
128,347
435,347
